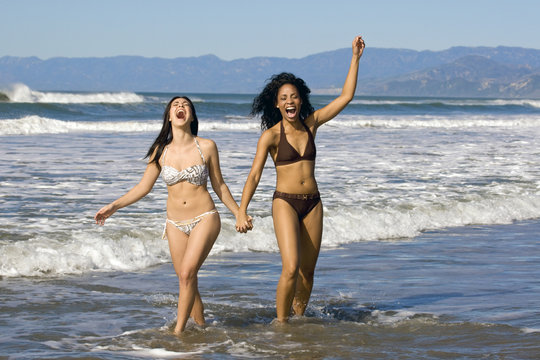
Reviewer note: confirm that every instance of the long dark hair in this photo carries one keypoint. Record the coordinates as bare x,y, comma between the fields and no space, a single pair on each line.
265,102
165,135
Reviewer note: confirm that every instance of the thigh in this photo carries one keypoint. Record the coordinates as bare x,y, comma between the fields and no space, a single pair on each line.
311,236
177,244
201,240
287,229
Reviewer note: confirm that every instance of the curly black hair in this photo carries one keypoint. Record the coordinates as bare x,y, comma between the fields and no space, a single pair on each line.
265,102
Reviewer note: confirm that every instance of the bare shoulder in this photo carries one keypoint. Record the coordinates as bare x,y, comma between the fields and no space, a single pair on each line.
271,136
206,143
208,146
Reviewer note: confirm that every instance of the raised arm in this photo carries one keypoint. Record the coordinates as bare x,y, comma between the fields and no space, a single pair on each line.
135,194
216,178
252,181
347,93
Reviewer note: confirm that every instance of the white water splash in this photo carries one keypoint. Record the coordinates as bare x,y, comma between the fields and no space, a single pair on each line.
21,93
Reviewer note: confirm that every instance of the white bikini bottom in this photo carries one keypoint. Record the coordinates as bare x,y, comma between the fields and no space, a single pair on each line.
186,226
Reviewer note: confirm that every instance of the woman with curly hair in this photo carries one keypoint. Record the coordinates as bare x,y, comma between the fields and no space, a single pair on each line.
289,125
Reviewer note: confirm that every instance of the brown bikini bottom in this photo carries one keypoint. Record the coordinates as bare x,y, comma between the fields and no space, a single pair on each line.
301,203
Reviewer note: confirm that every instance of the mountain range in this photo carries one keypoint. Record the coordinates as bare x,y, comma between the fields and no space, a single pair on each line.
507,72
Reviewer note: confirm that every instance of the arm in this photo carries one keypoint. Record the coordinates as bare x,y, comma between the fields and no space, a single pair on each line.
347,93
253,179
216,179
135,194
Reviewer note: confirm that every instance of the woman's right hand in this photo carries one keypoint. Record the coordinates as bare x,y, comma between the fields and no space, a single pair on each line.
243,222
104,213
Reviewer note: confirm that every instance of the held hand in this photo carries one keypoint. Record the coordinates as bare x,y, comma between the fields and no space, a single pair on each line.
104,213
243,223
358,46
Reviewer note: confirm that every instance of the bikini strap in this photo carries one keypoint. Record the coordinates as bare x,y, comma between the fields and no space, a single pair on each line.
199,148
282,130
164,154
310,134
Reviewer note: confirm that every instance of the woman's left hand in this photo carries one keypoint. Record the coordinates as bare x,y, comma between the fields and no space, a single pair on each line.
244,222
358,46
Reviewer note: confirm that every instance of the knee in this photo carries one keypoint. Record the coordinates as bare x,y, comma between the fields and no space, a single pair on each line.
187,275
289,271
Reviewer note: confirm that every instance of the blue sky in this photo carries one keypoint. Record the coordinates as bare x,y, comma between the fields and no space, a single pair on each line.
233,29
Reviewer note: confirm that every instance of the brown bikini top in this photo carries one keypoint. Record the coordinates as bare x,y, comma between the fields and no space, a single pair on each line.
287,154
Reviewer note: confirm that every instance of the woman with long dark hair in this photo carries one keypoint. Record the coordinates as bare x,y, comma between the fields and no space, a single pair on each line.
289,125
193,222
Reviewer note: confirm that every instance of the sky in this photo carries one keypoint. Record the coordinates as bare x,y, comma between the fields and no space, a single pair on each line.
235,29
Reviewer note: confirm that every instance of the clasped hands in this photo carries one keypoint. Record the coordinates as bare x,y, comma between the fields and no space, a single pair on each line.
244,223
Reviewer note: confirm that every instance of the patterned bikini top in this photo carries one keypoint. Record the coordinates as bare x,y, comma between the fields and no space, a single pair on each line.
196,174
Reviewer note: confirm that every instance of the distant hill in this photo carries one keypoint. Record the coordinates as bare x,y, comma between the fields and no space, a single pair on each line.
469,76
458,71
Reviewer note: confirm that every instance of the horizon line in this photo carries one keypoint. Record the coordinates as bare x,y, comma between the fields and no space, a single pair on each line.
257,57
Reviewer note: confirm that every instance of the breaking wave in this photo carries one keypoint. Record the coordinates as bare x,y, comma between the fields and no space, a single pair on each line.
20,93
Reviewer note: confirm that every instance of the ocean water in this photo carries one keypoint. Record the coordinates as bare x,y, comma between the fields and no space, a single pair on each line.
430,245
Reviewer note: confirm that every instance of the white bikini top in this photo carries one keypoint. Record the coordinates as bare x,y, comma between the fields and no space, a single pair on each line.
196,174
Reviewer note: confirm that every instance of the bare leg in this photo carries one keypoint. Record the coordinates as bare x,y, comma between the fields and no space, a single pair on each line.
187,263
177,247
286,227
310,244
197,312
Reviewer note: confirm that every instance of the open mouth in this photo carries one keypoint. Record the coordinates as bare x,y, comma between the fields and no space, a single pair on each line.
291,111
180,114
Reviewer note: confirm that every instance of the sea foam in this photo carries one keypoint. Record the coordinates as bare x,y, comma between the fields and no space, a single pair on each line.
87,251
118,247
21,93
435,121
449,102
33,125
